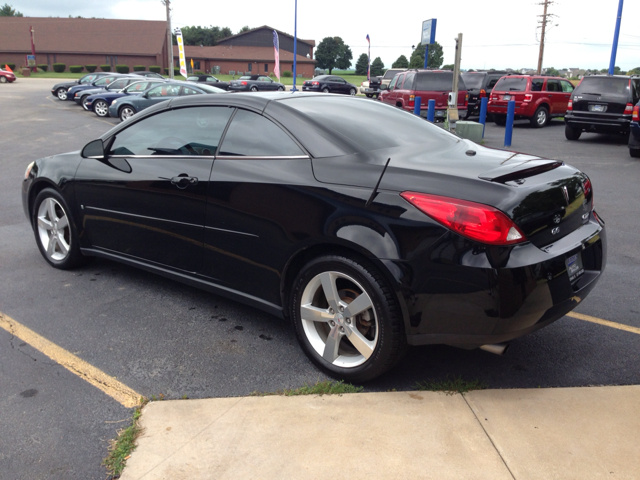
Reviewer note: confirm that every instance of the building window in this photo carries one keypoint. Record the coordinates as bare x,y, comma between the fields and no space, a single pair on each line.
250,67
196,65
266,68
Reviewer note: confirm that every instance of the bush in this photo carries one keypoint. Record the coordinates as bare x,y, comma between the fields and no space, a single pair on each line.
76,68
176,71
139,68
122,68
59,67
43,67
198,72
105,68
155,68
287,74
90,68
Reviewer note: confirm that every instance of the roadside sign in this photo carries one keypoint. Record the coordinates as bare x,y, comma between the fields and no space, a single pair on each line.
31,60
428,32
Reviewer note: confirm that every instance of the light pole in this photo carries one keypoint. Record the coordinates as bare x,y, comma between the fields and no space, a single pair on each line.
614,47
295,43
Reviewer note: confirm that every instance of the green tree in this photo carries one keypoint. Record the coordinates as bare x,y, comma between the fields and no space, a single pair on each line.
552,71
436,56
333,53
401,62
207,36
448,66
8,11
634,71
377,67
362,64
244,29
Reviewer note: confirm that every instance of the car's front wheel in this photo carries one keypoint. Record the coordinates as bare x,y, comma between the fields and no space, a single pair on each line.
572,133
3,79
101,108
254,89
352,92
347,319
55,231
126,112
325,90
281,89
61,93
83,100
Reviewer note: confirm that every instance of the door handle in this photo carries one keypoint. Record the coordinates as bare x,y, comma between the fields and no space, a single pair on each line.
182,181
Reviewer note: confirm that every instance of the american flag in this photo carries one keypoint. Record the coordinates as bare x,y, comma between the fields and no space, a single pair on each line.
276,48
369,60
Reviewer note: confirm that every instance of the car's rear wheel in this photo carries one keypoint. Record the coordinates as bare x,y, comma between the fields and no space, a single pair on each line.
281,89
347,319
126,112
61,93
3,79
500,120
352,92
572,133
325,90
101,108
634,152
254,89
368,95
55,231
540,118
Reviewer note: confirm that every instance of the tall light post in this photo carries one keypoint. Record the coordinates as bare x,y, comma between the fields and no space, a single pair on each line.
614,47
295,43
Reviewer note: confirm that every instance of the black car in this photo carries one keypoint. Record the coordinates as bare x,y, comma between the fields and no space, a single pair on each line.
148,74
59,90
75,92
208,80
254,83
367,236
479,86
329,84
602,104
634,132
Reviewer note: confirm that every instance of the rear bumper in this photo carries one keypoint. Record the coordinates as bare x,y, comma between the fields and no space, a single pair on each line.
528,289
586,122
521,111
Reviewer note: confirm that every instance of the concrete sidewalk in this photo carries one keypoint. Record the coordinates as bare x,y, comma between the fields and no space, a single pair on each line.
567,433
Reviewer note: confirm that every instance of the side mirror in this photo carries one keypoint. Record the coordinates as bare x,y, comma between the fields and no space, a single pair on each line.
93,149
384,87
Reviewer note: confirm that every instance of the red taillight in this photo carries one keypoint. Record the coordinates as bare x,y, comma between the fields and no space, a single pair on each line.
483,93
629,108
570,105
528,97
244,83
315,83
635,116
412,101
586,186
476,221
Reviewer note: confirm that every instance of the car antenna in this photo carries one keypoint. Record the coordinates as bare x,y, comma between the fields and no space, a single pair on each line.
374,194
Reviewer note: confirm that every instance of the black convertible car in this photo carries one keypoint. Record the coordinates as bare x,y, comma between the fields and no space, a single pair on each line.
368,236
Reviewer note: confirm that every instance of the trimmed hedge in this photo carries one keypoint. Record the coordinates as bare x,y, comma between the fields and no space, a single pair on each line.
122,68
12,66
43,67
91,68
59,67
287,74
76,68
105,68
139,68
155,68
176,71
198,72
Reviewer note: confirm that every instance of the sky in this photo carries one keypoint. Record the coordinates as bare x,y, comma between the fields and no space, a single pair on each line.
496,34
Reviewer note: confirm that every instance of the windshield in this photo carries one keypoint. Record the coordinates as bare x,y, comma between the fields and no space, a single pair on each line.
511,84
392,73
603,86
473,80
245,77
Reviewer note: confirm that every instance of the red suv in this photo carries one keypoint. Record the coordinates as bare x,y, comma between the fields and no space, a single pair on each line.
538,98
427,84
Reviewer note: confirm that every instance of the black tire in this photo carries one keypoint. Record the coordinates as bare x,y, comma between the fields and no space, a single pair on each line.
55,231
500,120
281,89
3,79
634,152
101,108
61,93
572,133
326,90
125,112
540,118
254,89
368,95
377,328
83,102
352,92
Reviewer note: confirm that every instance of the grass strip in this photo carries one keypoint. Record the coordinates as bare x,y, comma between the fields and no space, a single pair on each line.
450,386
326,387
120,449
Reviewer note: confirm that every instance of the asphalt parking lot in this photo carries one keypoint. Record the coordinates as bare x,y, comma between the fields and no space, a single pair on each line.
159,337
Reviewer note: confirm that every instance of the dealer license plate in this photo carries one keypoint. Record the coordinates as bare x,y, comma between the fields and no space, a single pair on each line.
506,97
574,266
596,108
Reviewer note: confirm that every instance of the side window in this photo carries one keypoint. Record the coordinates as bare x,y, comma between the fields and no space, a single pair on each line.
189,91
553,86
253,135
408,81
536,84
186,131
566,86
393,83
492,83
164,91
635,90
211,79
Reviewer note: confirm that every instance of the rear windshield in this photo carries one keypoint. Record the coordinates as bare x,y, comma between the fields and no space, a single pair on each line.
510,84
473,80
352,119
609,86
437,81
391,73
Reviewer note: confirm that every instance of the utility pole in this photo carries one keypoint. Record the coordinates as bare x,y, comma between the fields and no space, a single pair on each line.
167,4
545,18
452,102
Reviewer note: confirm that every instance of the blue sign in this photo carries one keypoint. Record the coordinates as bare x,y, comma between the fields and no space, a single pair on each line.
428,32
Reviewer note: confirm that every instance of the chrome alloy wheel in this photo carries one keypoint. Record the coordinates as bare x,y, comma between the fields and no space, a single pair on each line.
62,93
54,230
126,112
339,319
101,108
